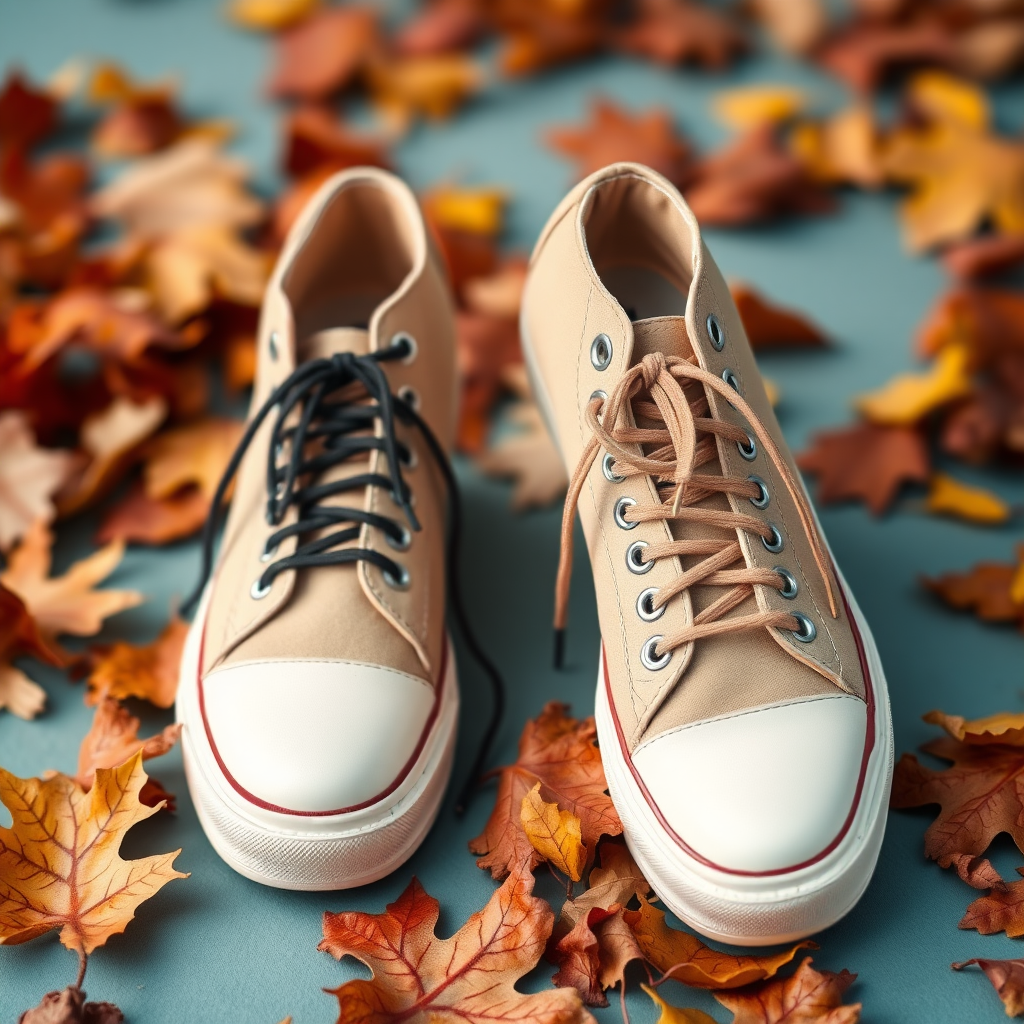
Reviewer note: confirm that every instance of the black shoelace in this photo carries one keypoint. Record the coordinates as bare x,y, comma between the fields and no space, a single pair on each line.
330,423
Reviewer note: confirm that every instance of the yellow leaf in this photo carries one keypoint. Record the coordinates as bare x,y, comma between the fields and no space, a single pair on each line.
945,97
193,454
771,389
555,834
433,86
677,1015
479,211
757,104
59,861
68,603
909,397
270,15
950,497
1017,585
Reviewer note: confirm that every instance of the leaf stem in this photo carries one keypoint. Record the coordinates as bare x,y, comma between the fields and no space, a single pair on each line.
83,962
622,1002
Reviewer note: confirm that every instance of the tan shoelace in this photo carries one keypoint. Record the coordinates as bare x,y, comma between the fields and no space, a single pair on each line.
673,465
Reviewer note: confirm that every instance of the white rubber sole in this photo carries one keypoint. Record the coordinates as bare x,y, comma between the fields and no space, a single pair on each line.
307,852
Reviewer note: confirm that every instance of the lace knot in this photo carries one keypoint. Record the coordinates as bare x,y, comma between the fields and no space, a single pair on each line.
651,368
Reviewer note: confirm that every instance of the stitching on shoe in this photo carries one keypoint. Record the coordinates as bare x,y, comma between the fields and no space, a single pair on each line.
317,661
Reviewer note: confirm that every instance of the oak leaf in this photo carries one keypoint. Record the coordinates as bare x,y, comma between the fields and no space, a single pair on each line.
908,398
615,134
669,1014
867,462
806,997
985,589
322,54
1005,728
948,496
685,958
554,834
1001,909
594,954
270,15
59,862
469,978
681,31
30,476
1007,978
140,519
149,672
67,603
771,327
561,754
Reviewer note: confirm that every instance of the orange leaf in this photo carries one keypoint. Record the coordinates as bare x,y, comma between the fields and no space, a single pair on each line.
315,138
139,519
195,454
149,672
769,326
947,496
270,15
986,589
480,211
749,106
1005,728
68,603
1007,978
20,635
616,881
1000,910
843,149
59,862
685,958
440,27
554,834
808,996
26,116
979,257
593,956
469,978
679,31
560,754
432,86
675,1014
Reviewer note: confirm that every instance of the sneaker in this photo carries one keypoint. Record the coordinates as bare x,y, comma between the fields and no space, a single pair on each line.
318,687
742,711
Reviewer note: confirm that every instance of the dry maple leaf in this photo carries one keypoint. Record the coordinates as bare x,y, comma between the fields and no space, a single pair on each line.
193,454
59,862
20,635
469,978
616,880
554,834
29,477
669,1014
561,754
1007,978
865,462
593,956
999,910
140,519
615,134
807,997
985,589
948,496
149,672
685,958
67,603
270,15
543,35
680,31
771,327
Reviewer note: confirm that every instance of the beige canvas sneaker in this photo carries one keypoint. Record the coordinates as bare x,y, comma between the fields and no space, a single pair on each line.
318,687
741,707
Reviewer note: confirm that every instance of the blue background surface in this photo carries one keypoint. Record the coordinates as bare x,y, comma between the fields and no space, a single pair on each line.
220,948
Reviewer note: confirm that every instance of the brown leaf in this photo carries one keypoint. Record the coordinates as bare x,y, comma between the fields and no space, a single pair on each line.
20,635
1000,910
499,294
113,738
981,257
680,31
140,519
59,862
769,326
322,55
487,346
977,872
579,955
865,462
195,454
419,978
149,672
442,26
26,115
141,119
614,134
1007,977
538,36
68,1006
1005,728
314,138
985,589
685,958
808,996
616,881
560,753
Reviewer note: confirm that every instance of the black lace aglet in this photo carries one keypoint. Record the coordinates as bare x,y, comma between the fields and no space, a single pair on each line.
559,647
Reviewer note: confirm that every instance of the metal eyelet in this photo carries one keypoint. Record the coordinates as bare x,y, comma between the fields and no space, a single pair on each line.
607,464
620,507
732,380
409,461
403,543
409,340
775,543
762,500
748,450
789,591
268,554
601,352
645,605
716,333
410,396
650,659
634,556
272,345
256,592
603,395
400,582
807,631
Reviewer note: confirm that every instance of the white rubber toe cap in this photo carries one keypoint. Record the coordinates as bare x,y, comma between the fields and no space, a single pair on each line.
764,790
314,736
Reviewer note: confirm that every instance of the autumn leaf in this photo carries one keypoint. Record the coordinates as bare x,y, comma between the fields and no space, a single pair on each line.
615,880
194,454
469,978
771,327
948,496
270,15
680,31
985,589
1006,728
685,958
999,910
67,603
29,477
443,26
59,862
487,346
142,118
26,114
795,26
479,211
19,635
316,141
865,462
669,1014
908,398
808,996
432,86
149,672
560,753
593,956
68,1006
554,834
19,694
538,36
1007,978
753,105
976,258
844,149
614,134
140,519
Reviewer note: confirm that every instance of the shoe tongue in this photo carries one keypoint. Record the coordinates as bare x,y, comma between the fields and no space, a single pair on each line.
334,339
661,334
